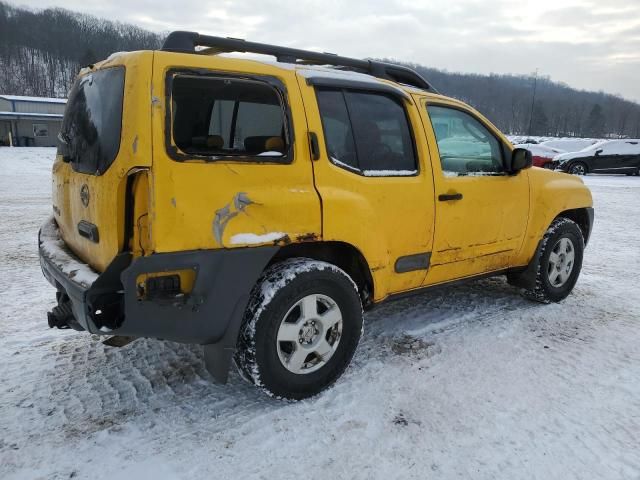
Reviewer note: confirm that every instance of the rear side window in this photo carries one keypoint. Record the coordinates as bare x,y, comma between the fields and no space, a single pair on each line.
220,118
90,132
367,133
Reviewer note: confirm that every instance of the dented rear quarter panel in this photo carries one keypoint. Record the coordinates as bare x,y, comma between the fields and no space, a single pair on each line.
204,205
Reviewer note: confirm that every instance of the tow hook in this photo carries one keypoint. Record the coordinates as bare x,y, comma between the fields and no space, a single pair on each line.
59,317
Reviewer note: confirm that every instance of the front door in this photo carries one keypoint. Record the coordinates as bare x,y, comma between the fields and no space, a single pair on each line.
481,210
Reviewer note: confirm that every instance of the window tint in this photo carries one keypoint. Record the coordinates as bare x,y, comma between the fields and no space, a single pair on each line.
222,117
337,128
465,145
367,132
90,131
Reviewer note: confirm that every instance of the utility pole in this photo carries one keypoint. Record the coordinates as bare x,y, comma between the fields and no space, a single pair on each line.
533,100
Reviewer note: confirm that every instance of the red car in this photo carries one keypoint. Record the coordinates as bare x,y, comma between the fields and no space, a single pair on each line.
542,155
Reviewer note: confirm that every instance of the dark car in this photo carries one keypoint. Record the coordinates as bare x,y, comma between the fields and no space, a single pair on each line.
609,156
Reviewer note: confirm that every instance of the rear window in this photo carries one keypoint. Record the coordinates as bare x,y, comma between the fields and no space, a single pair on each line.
227,118
90,132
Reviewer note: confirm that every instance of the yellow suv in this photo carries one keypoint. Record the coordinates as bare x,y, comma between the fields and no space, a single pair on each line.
256,206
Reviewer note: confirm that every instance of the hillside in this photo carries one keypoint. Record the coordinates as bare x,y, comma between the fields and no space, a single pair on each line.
41,52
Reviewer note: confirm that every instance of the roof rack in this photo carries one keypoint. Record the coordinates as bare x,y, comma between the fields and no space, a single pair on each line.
181,41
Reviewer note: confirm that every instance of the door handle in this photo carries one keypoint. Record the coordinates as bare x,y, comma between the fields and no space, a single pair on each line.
445,197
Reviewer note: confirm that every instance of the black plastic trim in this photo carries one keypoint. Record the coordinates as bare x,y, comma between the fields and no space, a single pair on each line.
590,217
357,85
211,314
186,42
89,231
410,263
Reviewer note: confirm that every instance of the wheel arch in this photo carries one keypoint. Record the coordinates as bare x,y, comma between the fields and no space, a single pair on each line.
587,167
341,254
583,217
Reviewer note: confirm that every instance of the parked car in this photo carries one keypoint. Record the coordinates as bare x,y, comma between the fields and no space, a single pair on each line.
608,156
541,154
257,207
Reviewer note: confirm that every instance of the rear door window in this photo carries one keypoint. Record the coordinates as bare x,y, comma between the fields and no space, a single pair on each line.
367,132
91,128
227,118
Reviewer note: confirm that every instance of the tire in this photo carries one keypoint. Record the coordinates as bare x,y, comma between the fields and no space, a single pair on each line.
578,168
634,173
301,328
554,279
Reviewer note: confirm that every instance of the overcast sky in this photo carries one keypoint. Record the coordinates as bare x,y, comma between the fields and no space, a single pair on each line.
590,44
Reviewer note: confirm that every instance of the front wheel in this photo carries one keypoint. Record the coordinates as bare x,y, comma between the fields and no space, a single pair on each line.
559,262
301,328
578,168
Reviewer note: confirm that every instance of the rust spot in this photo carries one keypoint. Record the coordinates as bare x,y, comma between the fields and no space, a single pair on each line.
307,237
286,240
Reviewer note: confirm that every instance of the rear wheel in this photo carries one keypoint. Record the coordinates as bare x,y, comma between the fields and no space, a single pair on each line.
301,328
578,168
559,262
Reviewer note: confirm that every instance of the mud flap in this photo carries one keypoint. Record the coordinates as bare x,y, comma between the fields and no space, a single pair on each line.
527,278
218,356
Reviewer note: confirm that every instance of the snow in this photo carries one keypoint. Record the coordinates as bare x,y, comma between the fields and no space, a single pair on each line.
270,154
569,144
374,173
493,386
53,247
253,239
389,173
540,150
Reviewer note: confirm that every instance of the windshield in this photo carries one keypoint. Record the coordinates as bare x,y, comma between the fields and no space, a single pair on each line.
90,133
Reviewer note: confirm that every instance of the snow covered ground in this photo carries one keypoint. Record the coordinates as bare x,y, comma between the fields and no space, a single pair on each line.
495,386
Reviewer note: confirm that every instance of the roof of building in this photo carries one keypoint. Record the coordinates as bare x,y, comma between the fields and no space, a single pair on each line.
43,116
20,98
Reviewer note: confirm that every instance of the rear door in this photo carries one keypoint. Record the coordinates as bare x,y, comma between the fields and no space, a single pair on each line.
105,135
231,164
481,211
374,177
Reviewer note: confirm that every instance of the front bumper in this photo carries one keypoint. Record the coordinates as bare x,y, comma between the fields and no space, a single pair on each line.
562,167
107,303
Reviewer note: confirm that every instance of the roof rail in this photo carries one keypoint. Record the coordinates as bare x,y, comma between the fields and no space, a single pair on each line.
180,41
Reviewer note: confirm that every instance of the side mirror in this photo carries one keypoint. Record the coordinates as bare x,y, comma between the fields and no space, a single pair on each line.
598,152
520,159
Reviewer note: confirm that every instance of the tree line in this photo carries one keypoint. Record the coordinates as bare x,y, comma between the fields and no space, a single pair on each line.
42,51
530,105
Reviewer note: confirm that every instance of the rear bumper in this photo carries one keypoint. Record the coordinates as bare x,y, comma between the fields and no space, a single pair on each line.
108,303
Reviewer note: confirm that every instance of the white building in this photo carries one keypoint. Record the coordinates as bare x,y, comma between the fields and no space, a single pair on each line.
31,121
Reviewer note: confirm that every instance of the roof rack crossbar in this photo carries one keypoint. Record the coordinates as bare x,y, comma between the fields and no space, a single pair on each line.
181,41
